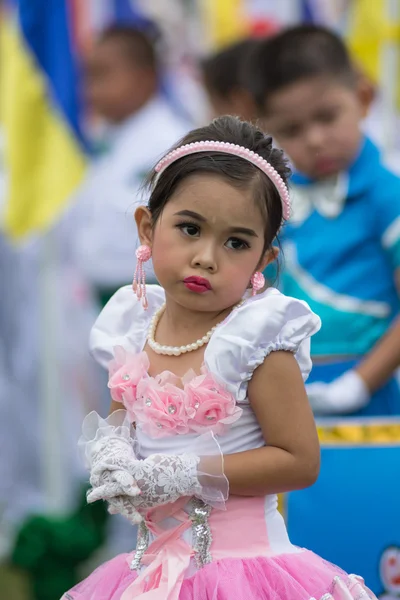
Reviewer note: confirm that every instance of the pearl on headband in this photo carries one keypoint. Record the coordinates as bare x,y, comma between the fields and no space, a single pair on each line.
235,150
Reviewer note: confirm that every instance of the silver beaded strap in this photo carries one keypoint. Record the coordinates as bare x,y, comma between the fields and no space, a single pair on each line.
141,546
199,513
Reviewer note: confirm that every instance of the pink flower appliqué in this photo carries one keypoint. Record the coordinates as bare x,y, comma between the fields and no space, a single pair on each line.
209,405
125,372
160,409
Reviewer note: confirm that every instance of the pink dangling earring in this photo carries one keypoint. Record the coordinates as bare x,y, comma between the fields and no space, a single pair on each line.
143,254
257,282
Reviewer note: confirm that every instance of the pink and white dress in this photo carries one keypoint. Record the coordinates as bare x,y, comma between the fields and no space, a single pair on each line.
188,550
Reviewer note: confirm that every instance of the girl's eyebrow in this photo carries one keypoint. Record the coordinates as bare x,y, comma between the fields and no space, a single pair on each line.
198,217
243,230
192,214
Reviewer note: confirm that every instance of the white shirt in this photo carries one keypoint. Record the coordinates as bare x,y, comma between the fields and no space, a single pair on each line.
263,324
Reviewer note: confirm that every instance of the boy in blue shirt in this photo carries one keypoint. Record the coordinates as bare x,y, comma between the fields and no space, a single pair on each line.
342,244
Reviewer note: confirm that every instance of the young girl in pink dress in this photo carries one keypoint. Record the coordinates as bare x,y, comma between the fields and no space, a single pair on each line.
210,370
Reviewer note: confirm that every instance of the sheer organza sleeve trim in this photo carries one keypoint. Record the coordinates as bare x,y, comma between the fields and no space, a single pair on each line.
214,485
123,322
96,432
264,324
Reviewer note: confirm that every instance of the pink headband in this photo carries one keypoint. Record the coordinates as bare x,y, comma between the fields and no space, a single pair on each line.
236,150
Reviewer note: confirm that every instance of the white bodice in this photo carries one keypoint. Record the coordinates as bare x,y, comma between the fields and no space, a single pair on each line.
263,324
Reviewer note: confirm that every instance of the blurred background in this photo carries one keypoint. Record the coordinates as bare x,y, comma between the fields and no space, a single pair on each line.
92,93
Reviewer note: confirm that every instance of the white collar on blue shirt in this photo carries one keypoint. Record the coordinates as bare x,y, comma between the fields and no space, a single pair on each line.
327,197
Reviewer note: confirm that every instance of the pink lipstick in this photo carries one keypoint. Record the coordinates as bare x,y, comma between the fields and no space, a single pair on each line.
199,285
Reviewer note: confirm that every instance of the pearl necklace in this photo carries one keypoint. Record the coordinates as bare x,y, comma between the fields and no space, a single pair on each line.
177,350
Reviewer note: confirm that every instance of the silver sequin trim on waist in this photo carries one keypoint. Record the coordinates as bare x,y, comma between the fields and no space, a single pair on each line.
202,538
141,546
201,533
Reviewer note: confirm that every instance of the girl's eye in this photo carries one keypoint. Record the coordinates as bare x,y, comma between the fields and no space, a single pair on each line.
236,244
189,229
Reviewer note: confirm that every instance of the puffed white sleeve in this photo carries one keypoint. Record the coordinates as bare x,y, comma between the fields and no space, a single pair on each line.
263,324
123,322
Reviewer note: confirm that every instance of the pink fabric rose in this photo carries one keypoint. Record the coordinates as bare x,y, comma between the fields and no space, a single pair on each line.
168,377
209,405
161,407
160,410
125,371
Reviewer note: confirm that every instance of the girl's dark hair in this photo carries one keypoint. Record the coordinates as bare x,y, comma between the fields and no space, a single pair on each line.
235,170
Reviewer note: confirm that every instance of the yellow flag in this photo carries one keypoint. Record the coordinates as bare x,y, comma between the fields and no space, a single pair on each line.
225,21
44,158
370,28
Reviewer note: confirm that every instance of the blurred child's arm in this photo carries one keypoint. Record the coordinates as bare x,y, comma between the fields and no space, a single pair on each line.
352,391
380,363
291,459
382,360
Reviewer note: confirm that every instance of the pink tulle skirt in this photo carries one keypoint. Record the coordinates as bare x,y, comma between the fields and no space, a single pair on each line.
299,576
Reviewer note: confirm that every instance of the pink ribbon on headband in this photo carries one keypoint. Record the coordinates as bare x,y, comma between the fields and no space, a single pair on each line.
235,150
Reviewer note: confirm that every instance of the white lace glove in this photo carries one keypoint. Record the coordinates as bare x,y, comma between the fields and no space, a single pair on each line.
125,506
108,451
110,460
164,478
117,490
346,394
110,478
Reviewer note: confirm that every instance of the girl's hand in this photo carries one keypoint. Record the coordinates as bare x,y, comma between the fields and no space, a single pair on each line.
123,505
118,489
163,479
157,480
111,454
112,484
110,477
346,394
108,449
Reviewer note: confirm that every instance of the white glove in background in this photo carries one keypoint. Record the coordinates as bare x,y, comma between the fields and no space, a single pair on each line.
345,395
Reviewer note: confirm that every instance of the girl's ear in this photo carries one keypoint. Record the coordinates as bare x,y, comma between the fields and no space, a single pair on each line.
144,225
270,256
